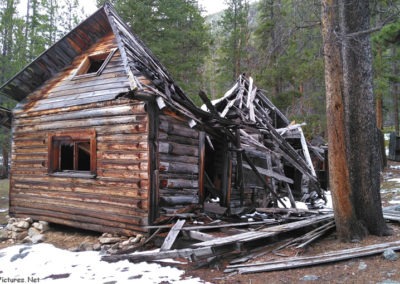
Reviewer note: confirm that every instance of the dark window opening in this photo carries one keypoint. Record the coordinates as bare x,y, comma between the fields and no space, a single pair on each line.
66,157
95,65
73,152
83,160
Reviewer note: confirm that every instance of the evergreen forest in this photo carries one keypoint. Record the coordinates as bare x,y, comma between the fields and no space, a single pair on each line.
277,42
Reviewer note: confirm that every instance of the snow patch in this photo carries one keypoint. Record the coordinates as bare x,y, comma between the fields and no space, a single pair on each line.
394,180
48,264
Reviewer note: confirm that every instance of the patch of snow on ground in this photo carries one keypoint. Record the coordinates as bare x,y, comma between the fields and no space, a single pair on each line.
395,167
328,196
394,180
44,263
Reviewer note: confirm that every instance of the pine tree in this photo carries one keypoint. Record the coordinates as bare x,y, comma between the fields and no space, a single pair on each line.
176,33
234,26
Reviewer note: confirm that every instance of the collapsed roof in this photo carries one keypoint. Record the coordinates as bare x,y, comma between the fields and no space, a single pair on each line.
262,140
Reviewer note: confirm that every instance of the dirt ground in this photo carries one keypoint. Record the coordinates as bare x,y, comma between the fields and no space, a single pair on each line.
373,269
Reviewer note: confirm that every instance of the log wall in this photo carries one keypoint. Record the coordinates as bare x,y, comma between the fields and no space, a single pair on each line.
178,149
116,200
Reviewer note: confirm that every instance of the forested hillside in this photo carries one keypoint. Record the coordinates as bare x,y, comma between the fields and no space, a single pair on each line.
277,42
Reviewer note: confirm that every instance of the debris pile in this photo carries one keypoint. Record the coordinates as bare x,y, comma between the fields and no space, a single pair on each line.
256,156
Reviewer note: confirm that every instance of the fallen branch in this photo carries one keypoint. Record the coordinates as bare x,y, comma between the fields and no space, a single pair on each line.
295,262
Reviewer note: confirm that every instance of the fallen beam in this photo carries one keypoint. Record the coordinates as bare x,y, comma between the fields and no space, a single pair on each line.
171,237
265,233
155,255
296,262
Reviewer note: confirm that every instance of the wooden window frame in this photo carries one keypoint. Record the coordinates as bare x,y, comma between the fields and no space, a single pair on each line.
81,72
54,153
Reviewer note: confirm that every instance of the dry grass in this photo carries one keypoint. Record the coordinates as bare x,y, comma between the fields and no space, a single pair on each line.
4,189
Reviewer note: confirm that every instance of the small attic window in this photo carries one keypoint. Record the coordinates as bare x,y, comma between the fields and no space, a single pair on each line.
94,64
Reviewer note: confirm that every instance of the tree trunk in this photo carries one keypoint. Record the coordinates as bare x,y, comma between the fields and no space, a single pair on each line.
363,151
379,112
339,182
395,92
5,160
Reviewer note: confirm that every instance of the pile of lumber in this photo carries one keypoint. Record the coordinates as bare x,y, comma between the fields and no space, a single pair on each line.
235,244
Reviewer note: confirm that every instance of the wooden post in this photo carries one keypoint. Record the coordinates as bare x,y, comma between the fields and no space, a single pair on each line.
226,175
239,176
202,152
153,118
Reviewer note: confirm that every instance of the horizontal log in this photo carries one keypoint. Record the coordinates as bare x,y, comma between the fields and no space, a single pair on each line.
108,80
127,146
176,167
164,137
178,149
93,224
122,173
80,89
125,192
76,203
118,110
103,138
84,99
99,181
23,113
82,212
179,130
82,123
90,197
30,143
42,149
178,183
122,165
179,200
122,129
173,158
28,157
137,156
40,171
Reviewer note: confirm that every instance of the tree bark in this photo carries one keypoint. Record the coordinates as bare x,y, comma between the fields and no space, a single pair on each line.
395,93
346,222
363,151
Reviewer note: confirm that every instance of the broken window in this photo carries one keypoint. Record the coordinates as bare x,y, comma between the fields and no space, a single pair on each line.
72,152
94,64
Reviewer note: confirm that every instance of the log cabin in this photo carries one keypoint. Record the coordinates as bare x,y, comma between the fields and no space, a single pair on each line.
100,134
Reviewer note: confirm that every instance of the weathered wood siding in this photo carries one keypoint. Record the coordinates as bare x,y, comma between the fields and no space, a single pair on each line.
178,148
116,200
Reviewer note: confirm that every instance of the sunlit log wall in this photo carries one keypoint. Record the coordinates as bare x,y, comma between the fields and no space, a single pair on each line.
116,200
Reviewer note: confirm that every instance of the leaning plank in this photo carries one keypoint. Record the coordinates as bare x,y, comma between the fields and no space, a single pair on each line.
308,237
171,237
265,233
295,262
154,255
